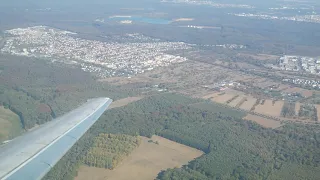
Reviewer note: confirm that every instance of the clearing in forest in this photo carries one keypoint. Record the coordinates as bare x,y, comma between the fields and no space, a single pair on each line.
145,162
10,125
124,102
270,108
297,108
265,122
247,105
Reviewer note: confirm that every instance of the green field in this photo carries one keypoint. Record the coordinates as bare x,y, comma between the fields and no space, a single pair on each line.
10,125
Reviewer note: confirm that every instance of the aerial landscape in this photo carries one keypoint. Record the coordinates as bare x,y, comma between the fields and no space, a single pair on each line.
201,89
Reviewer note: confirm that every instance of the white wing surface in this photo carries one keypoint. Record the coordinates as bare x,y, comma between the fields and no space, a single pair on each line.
32,155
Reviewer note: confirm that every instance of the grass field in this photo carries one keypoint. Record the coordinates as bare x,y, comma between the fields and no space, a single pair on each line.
268,123
10,125
145,162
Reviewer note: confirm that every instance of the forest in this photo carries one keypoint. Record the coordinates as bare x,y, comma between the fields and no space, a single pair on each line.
234,148
39,91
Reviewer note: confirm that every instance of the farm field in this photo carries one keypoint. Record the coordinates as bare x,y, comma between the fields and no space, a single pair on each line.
292,90
10,125
223,98
304,92
145,162
209,96
307,93
297,108
283,87
264,83
236,101
268,123
247,105
268,108
318,111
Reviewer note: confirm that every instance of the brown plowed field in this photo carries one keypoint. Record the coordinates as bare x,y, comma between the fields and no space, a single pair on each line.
145,162
247,105
268,123
236,101
269,109
223,98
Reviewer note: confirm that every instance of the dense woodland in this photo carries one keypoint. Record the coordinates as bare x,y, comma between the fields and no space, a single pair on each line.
109,150
38,91
234,149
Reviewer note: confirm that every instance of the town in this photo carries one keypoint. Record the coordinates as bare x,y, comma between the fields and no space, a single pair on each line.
208,3
103,58
300,63
301,18
313,84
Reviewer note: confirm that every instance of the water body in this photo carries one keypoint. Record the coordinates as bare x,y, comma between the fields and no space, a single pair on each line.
142,19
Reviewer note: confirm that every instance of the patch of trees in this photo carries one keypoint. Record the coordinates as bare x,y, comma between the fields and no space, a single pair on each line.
25,107
308,111
288,109
255,104
109,150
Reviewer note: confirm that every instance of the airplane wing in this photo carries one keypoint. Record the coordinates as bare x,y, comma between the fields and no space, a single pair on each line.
32,155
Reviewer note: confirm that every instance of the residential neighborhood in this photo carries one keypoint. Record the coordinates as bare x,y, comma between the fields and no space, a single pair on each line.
104,58
209,3
300,63
300,18
314,84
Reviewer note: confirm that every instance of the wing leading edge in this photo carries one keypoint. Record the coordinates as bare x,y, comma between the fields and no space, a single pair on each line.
32,155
